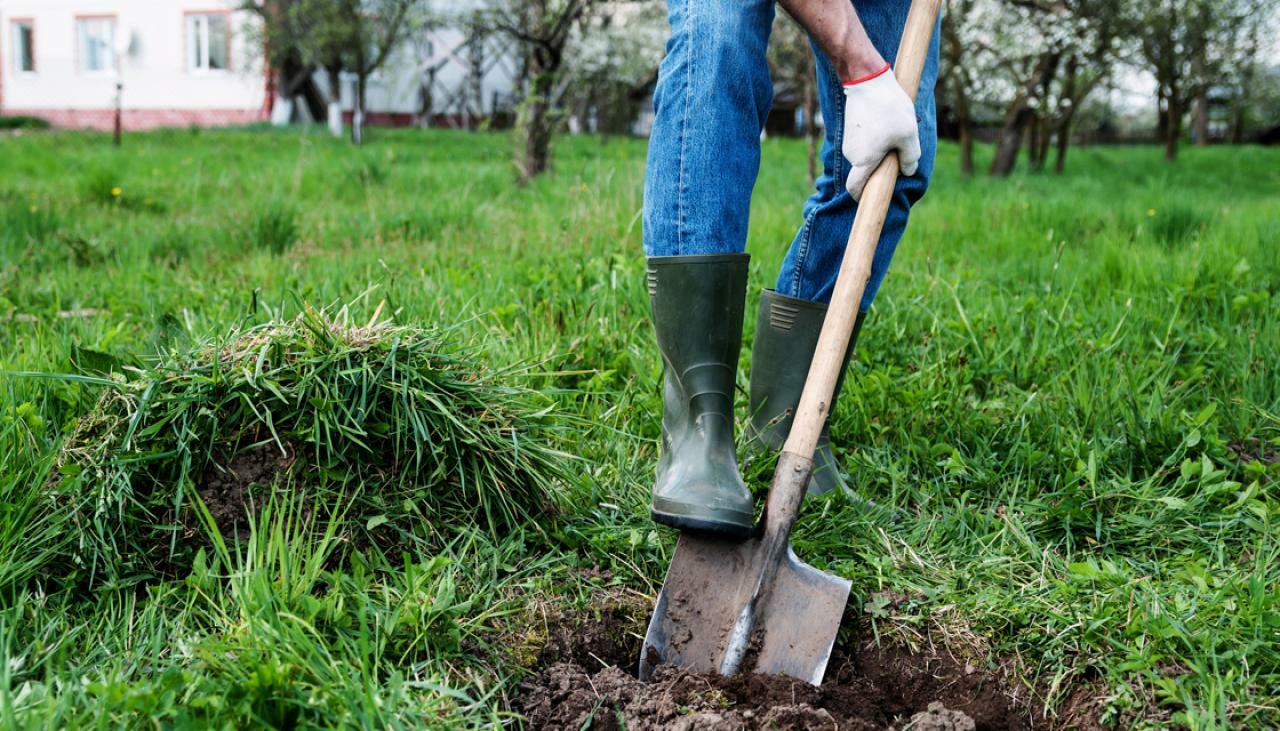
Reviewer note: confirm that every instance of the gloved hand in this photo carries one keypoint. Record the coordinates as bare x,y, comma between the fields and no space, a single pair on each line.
878,117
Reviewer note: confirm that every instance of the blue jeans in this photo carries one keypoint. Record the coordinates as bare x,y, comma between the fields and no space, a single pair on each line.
713,96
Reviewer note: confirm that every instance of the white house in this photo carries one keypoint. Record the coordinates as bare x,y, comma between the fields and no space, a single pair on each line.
174,62
192,62
196,62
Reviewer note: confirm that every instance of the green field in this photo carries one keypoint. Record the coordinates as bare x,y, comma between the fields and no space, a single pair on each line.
1066,405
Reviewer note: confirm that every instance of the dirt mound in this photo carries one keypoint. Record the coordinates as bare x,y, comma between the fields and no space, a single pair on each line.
587,681
565,696
395,430
227,488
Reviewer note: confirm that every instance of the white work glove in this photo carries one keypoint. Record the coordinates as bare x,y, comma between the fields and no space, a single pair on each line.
878,117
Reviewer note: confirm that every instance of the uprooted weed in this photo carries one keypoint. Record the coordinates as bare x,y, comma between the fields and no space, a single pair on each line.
392,427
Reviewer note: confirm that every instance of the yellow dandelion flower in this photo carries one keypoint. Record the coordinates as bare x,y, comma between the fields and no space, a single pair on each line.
116,191
1151,211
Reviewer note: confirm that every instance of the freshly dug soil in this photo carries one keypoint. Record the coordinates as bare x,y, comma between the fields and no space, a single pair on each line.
587,681
227,488
565,696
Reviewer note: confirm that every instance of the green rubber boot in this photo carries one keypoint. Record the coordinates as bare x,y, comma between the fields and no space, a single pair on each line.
786,336
697,304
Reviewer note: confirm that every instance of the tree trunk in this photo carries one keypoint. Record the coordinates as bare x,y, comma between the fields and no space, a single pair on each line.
117,127
1008,142
810,116
1038,142
282,111
964,127
1018,116
290,81
1033,140
1068,103
1237,122
1046,139
1241,102
533,126
475,75
1162,114
357,114
1200,117
966,149
335,103
1172,128
1064,139
545,35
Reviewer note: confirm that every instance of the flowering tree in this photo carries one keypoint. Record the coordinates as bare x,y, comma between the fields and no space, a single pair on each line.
280,39
1039,59
359,36
611,62
1189,46
956,73
1089,56
542,29
370,31
1030,40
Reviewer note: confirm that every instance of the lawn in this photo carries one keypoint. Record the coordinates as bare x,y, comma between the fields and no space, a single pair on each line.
1066,405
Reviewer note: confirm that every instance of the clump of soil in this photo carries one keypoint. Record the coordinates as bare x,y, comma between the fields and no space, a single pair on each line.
227,488
586,684
938,717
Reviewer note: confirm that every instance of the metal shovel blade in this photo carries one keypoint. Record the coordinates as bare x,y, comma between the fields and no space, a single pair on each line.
745,605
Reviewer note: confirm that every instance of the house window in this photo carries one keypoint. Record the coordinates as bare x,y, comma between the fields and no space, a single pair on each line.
97,45
208,42
24,46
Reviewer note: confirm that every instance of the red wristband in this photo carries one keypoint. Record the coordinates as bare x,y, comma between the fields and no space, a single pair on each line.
867,77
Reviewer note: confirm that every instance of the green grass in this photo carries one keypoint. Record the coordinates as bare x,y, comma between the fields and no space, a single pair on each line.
1068,393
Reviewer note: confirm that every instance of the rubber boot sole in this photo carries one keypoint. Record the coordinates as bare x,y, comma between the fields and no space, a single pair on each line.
735,531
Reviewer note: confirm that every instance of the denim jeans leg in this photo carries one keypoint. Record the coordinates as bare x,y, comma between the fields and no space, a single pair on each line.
813,262
710,104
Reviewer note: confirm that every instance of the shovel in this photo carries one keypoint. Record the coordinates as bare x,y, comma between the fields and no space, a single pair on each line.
729,606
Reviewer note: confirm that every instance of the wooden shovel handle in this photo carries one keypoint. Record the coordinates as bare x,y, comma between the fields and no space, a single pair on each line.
855,269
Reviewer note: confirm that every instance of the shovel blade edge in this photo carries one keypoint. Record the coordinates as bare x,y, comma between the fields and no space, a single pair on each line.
797,620
699,602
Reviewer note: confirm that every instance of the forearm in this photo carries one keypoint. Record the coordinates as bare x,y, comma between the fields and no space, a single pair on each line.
835,26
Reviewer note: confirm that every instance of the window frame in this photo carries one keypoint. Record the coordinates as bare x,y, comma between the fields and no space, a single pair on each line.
113,69
189,25
15,24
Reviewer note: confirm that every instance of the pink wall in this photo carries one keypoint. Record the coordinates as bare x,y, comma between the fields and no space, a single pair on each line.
142,119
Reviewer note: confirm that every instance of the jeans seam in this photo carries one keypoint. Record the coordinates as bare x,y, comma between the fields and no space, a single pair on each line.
806,234
841,101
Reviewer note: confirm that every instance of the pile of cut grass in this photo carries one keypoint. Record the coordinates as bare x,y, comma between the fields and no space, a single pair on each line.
391,430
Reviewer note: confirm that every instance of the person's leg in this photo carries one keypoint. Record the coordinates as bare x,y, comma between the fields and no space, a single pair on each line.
712,98
710,104
791,317
811,265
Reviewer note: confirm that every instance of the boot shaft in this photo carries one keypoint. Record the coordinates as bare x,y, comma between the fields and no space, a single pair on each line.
787,331
697,305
